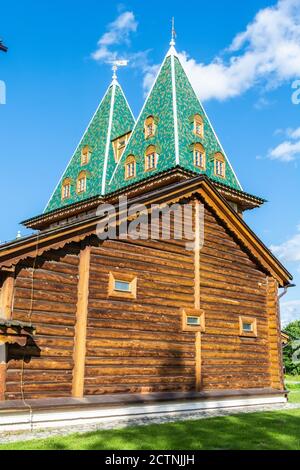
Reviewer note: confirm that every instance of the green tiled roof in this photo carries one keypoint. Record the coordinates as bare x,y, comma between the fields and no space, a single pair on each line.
173,103
112,119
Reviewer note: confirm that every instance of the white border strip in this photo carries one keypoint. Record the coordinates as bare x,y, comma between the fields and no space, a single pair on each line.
108,138
17,421
176,137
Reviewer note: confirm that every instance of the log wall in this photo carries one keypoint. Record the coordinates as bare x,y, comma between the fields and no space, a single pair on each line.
45,295
137,345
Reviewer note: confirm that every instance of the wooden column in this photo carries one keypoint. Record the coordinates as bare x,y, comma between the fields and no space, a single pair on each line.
275,347
81,324
6,305
197,293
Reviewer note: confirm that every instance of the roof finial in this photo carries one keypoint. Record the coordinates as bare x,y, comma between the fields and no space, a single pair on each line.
116,65
172,43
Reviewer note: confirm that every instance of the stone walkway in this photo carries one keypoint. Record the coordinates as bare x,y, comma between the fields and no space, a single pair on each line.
138,421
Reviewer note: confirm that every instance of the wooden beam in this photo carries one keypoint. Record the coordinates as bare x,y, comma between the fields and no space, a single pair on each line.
6,297
6,306
274,330
81,324
197,292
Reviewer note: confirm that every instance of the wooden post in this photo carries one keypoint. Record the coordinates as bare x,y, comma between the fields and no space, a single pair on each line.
275,347
6,297
81,324
197,293
6,305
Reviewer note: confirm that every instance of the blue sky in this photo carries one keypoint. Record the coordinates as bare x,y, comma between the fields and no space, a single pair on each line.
242,63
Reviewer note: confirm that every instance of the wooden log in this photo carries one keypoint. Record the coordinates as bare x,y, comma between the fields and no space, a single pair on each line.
81,324
6,305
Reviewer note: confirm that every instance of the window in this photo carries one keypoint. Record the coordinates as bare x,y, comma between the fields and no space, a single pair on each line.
81,183
85,155
119,146
122,285
198,126
66,189
150,127
199,156
130,167
220,165
193,320
150,158
248,327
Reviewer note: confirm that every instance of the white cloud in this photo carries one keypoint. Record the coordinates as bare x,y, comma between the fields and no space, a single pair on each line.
289,251
290,311
118,32
289,150
294,133
266,53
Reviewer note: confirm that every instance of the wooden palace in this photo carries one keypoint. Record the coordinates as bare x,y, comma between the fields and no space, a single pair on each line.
93,327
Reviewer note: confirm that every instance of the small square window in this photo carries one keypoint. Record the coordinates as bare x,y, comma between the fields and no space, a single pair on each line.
122,285
248,327
193,320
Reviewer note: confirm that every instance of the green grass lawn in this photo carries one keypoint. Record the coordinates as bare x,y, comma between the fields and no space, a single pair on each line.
257,431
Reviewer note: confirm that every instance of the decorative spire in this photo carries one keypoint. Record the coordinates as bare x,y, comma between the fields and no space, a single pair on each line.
116,65
173,42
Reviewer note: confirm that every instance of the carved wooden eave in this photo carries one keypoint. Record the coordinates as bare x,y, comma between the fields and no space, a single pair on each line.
200,187
82,209
15,332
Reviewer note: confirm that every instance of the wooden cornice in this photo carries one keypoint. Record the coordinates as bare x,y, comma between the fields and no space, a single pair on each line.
200,187
178,174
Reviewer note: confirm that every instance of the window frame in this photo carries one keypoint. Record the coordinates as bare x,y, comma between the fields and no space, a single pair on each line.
82,176
131,279
193,313
119,150
199,148
248,320
150,121
198,120
85,155
130,160
150,152
219,158
67,182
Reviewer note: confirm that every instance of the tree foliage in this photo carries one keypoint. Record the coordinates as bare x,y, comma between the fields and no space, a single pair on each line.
293,330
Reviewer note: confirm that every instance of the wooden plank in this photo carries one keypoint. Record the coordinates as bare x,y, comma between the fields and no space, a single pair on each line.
6,305
81,324
198,355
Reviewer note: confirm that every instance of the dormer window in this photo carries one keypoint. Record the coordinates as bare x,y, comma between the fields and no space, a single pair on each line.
66,189
81,183
220,165
199,156
151,158
198,126
130,167
119,146
150,127
85,155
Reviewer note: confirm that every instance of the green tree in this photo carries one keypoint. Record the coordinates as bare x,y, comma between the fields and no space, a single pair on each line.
293,330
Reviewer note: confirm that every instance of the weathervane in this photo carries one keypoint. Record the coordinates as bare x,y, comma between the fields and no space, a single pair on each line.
116,65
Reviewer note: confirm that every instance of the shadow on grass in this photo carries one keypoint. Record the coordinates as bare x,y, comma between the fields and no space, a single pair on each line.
259,431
